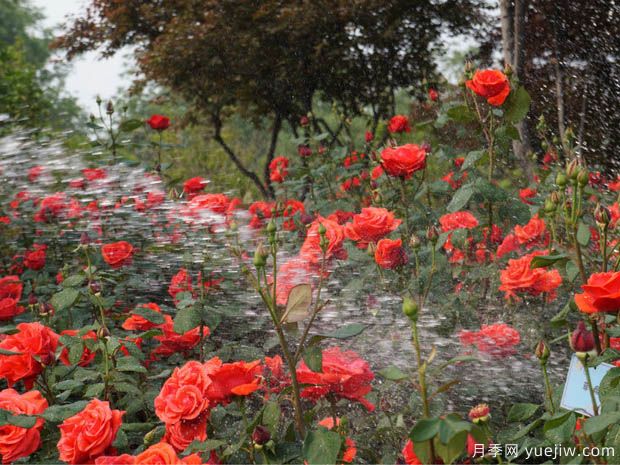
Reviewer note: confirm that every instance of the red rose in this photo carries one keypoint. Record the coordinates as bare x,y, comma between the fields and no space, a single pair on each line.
51,207
368,137
532,234
372,224
343,374
495,339
184,395
217,203
172,342
390,254
123,459
15,441
117,254
433,94
409,454
34,173
311,248
403,161
9,308
92,174
526,195
304,151
600,294
90,433
139,323
582,340
228,379
182,433
163,453
490,84
399,123
194,186
278,169
35,259
457,220
291,273
518,276
35,344
87,356
291,208
159,122
180,282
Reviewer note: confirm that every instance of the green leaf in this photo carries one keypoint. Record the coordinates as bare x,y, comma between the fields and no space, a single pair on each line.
471,159
73,280
461,114
449,427
23,421
58,413
517,105
129,363
130,125
541,261
346,331
571,271
522,412
94,390
560,427
64,299
298,304
313,356
393,373
601,422
321,447
460,198
583,234
9,352
187,319
149,315
424,429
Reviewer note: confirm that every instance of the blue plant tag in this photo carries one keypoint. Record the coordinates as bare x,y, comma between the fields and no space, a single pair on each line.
576,395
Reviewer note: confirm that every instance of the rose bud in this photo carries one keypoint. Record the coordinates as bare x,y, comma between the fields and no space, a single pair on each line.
260,256
480,413
555,197
549,206
84,238
572,169
432,234
306,218
602,215
561,179
583,177
410,309
260,435
426,146
304,121
368,137
109,109
542,351
414,242
95,287
582,340
32,299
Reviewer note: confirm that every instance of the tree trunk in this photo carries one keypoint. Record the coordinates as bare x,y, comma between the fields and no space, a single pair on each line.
277,126
507,21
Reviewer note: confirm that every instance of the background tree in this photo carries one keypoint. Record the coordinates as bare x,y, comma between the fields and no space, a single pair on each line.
273,58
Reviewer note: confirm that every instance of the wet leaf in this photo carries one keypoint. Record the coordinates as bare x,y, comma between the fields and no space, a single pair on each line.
64,299
149,315
346,331
460,198
58,413
130,125
424,429
393,373
542,261
522,412
313,356
517,105
583,234
321,447
298,304
186,319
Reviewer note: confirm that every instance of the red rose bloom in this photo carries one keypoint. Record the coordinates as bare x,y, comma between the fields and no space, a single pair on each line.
228,379
90,433
15,441
291,208
159,122
600,294
92,174
35,259
458,220
518,276
172,342
10,308
278,169
526,195
123,459
490,84
311,249
495,339
139,323
370,225
532,234
390,254
35,344
343,374
163,453
117,254
433,94
184,395
194,186
87,355
11,286
34,173
409,454
399,123
180,282
182,433
403,161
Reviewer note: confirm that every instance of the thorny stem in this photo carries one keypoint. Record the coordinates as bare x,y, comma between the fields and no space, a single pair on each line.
548,390
590,387
422,382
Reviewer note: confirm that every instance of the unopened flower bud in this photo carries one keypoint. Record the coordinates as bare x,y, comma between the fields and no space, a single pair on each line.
508,70
322,229
414,242
542,351
95,287
271,226
583,176
582,340
480,413
561,179
555,197
98,100
109,109
103,332
260,435
572,169
432,234
371,249
602,215
260,256
549,206
410,309
32,299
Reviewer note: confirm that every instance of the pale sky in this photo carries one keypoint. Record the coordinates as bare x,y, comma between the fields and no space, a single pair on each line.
90,74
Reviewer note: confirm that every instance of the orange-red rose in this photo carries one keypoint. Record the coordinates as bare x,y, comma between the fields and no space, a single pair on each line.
343,374
458,220
399,123
229,379
139,323
10,308
278,169
311,248
390,254
518,276
117,254
163,453
495,339
403,161
15,441
600,294
158,122
491,84
90,433
372,224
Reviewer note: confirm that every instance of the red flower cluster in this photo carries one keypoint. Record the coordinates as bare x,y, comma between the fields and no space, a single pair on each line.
496,339
194,186
533,234
519,277
344,375
278,169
